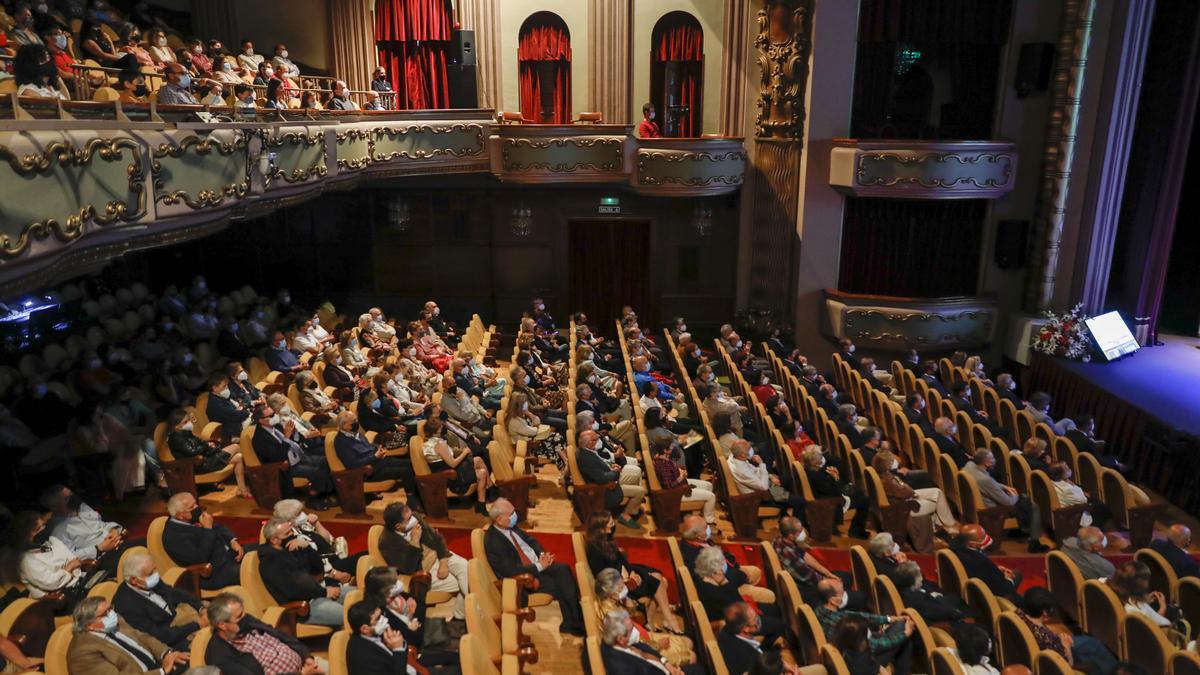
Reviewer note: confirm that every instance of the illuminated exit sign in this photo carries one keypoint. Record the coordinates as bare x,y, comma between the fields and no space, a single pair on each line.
610,205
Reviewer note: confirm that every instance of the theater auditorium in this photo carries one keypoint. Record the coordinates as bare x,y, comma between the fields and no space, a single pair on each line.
640,337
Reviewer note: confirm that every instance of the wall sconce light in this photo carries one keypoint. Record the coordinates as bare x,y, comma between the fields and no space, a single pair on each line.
399,216
522,220
702,220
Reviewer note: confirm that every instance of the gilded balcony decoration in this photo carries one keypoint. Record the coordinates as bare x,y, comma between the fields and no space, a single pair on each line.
353,146
62,185
550,153
432,145
689,167
898,324
194,171
299,155
901,169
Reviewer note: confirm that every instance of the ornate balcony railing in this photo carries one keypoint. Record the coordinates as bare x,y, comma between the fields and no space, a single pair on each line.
903,169
897,324
89,181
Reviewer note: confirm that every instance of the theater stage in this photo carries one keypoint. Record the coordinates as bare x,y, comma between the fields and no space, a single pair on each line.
1147,406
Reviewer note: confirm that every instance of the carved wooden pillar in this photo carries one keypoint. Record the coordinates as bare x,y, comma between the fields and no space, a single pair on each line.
608,53
734,64
1069,66
783,43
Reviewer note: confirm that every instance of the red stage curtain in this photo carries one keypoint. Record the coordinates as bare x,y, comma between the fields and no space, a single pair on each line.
545,39
412,37
682,40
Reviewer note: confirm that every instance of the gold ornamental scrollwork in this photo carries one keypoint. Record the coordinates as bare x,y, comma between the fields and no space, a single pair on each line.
201,146
940,158
693,181
563,167
308,141
469,151
206,198
356,135
784,67
69,155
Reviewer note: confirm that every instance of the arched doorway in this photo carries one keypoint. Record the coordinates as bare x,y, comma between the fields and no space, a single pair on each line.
677,74
544,64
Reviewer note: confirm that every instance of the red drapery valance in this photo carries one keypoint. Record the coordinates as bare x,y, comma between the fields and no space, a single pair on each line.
682,42
413,37
545,45
679,38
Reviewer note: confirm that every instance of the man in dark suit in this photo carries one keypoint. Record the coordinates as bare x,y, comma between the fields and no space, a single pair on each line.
274,441
438,324
1084,438
221,407
972,541
621,654
598,472
267,645
373,647
280,358
192,538
736,639
356,451
931,605
867,370
960,398
811,381
912,363
914,412
827,398
945,433
511,552
846,348
152,606
290,570
929,373
1006,389
1175,549
697,536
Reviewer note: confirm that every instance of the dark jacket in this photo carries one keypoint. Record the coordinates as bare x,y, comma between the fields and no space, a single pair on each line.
690,552
282,360
1183,563
184,444
502,554
979,566
364,657
739,654
918,418
823,485
930,608
953,448
354,451
405,557
232,662
288,575
244,393
935,384
195,545
338,378
596,471
627,664
231,346
148,617
223,411
716,598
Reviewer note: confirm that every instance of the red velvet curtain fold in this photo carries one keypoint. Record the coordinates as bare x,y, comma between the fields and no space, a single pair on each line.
413,38
678,37
545,44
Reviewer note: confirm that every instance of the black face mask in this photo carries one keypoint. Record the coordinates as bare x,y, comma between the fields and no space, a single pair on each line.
40,539
195,513
141,90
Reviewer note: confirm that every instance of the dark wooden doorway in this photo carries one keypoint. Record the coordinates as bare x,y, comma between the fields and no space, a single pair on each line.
609,268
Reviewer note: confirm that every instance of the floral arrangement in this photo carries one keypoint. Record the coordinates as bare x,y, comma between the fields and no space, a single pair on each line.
1063,335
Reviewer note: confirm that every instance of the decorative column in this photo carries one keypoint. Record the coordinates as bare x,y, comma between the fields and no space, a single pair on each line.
352,33
483,17
1059,152
1102,204
734,58
608,54
783,43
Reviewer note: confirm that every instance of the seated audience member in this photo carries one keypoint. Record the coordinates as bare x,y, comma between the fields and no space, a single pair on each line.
1175,548
995,493
960,398
737,639
751,475
356,451
599,472
715,403
131,43
223,409
826,481
340,100
929,373
13,660
1034,452
83,530
1039,407
468,469
97,45
379,80
105,643
1006,389
873,442
612,593
244,101
667,464
889,642
697,538
411,545
510,552
945,435
280,358
1084,550
310,531
931,605
847,349
544,442
247,59
805,569
35,73
1083,436
850,636
277,95
717,591
933,510
622,653
640,581
374,646
827,398
55,40
473,385
192,538
275,440
200,61
306,340
309,101
974,646
1131,584
1084,652
313,398
886,555
373,102
796,439
160,52
972,541
177,90
430,349
406,613
612,449
243,645
1070,494
283,65
458,404
290,570
214,456
171,616
46,565
914,412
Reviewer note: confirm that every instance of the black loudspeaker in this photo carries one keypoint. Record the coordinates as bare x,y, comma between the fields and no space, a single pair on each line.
463,92
1033,68
1012,240
462,48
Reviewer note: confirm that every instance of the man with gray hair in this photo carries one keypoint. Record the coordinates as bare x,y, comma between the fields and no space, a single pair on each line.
310,530
995,493
243,645
945,435
289,570
599,472
931,605
192,538
1084,550
750,474
170,615
104,643
621,653
610,451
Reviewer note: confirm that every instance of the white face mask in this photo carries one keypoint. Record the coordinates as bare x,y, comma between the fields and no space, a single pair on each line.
249,51
275,419
895,464
801,536
845,599
1104,543
188,426
595,426
410,523
224,393
895,549
162,42
635,636
243,376
283,54
598,445
380,626
624,592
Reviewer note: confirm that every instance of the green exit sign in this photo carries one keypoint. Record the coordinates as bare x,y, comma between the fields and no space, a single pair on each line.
610,201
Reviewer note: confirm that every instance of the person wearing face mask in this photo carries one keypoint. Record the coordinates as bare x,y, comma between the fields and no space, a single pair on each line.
280,358
795,556
411,545
826,482
945,435
247,59
931,605
264,74
960,398
340,100
277,441
35,72
617,589
1070,494
131,43
55,40
472,385
177,90
225,72
1085,549
374,647
1039,407
191,537
611,450
970,547
511,552
104,643
623,650
889,642
598,472
404,609
914,412
160,51
973,649
626,579
995,493
544,441
462,409
697,538
847,351
469,471
229,340
737,639
243,645
347,387
851,639
933,510
430,350
44,563
314,399
929,373
200,61
131,84
224,409
648,128
283,65
290,570
149,604
356,451
214,456
718,591
81,528
337,562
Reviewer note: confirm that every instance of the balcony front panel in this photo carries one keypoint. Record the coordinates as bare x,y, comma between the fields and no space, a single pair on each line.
903,169
689,167
198,170
551,154
899,324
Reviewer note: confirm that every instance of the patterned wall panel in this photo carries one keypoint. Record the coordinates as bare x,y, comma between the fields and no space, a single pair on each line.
897,324
689,167
924,170
560,154
299,155
198,171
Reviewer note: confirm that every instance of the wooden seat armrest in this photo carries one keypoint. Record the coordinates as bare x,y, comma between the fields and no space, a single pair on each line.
299,607
527,582
201,570
206,434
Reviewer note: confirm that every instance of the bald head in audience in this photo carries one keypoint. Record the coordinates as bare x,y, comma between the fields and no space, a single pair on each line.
944,426
1180,535
974,536
694,528
1091,538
